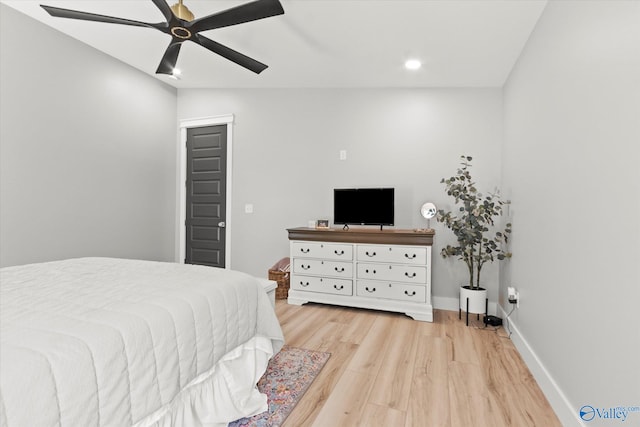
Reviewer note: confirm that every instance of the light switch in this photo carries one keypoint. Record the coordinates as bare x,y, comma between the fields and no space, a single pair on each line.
248,208
343,154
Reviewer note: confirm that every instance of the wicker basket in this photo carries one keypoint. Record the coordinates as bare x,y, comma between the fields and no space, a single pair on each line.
282,279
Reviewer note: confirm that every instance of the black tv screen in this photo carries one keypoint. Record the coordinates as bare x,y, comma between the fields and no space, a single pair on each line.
363,206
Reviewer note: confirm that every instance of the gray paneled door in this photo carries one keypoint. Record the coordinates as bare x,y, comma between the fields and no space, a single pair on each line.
206,195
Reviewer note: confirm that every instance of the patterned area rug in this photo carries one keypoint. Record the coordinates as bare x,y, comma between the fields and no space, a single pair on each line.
289,374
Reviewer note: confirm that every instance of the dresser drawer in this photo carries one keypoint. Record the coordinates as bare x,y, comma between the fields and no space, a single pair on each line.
392,254
395,291
393,273
332,251
321,284
318,267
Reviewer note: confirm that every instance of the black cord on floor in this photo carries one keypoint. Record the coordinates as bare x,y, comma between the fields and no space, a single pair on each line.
497,328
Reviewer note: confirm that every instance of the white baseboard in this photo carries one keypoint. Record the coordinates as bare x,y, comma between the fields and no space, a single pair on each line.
565,411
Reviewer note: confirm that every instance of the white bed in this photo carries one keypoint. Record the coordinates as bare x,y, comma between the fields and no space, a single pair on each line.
111,342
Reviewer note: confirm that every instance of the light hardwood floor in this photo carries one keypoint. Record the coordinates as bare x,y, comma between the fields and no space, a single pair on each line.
388,370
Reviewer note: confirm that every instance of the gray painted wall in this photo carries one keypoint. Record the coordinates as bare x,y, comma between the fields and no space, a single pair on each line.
286,158
87,151
572,144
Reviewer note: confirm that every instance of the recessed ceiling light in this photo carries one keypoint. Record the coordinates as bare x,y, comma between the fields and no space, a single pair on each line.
412,64
175,75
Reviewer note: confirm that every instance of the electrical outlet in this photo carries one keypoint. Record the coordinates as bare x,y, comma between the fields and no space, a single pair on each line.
513,296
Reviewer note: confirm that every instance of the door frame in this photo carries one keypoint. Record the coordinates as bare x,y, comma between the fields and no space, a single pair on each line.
227,119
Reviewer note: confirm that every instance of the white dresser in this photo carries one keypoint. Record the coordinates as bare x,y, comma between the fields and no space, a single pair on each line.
367,268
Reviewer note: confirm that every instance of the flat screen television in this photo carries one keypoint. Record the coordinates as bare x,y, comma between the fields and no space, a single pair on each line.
363,206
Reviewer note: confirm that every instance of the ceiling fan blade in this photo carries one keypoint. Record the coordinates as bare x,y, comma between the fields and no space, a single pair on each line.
232,55
169,59
86,16
237,15
165,9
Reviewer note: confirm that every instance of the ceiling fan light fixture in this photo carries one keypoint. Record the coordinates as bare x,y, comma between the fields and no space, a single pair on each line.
182,11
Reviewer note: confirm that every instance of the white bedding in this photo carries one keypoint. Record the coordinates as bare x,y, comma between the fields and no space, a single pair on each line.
110,342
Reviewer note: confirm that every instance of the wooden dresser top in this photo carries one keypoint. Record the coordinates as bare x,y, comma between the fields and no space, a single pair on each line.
363,235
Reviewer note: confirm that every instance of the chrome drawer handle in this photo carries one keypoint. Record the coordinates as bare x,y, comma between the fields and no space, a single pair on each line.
341,287
305,284
305,267
338,253
339,270
411,276
372,290
372,271
409,294
410,256
305,251
372,254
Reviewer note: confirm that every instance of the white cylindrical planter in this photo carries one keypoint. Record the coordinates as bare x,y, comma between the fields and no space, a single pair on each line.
477,299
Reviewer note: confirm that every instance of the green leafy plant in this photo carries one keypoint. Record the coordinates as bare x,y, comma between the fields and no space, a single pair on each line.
472,223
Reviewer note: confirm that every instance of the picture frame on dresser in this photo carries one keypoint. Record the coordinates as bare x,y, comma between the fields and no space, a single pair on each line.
365,268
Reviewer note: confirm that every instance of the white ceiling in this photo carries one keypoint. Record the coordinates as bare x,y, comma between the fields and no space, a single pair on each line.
322,43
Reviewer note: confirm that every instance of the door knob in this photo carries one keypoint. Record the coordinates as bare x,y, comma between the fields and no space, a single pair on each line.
222,224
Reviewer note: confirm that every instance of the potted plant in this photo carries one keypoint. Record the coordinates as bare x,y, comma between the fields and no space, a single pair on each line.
472,222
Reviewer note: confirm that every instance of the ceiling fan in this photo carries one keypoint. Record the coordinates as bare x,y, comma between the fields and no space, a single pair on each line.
181,26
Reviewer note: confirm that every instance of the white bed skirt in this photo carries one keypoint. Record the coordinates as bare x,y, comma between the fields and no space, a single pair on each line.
225,393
